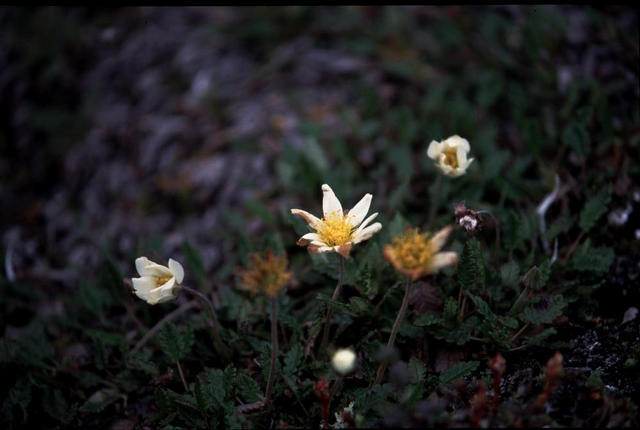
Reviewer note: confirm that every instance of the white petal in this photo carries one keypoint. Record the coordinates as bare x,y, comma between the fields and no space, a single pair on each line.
366,223
176,270
456,141
143,284
434,149
310,219
141,263
441,260
367,232
438,240
359,211
330,203
461,155
308,238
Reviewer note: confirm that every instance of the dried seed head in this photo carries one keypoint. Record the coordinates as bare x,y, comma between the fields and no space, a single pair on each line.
266,273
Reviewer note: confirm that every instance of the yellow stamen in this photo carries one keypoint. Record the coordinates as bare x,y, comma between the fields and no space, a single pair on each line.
451,157
412,249
335,229
161,280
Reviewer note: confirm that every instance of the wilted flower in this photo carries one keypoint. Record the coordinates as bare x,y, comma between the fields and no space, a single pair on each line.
466,218
344,361
265,273
157,283
338,231
416,254
450,155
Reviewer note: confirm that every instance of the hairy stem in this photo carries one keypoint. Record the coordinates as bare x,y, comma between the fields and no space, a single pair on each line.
217,339
274,348
336,294
396,325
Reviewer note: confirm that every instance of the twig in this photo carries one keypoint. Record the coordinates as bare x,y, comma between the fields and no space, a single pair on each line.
170,316
336,294
572,248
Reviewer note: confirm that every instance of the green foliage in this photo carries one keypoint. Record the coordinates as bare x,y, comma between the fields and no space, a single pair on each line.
458,371
176,344
544,310
471,272
594,208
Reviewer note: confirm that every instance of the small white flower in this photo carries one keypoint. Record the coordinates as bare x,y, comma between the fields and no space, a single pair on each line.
450,155
157,283
343,361
338,231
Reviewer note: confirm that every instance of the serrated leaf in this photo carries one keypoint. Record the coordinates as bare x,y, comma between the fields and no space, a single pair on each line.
594,208
450,309
471,272
427,319
213,387
560,225
543,311
174,343
457,371
293,359
576,137
248,388
592,259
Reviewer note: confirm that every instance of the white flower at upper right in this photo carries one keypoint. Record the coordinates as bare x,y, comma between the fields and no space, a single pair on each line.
450,155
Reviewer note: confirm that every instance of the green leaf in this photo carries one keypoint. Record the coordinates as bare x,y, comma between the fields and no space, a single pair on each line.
417,371
592,259
428,319
174,343
576,137
543,311
213,387
293,359
457,371
509,273
595,381
194,263
248,388
560,225
471,272
450,309
594,208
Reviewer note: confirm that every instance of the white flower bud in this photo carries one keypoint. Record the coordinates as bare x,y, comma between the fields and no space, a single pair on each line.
344,361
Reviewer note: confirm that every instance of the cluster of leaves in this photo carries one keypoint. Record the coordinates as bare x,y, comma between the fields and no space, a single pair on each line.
80,362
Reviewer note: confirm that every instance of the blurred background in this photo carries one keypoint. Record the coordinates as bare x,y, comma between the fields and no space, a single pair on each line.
138,129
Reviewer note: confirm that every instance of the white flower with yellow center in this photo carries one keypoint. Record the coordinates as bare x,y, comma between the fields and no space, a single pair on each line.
338,231
450,155
157,283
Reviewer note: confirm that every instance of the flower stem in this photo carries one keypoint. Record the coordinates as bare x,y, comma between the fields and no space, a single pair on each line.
184,381
396,326
219,344
274,348
336,294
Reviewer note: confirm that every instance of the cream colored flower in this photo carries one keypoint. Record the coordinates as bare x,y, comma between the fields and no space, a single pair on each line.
343,361
338,231
450,155
417,254
157,283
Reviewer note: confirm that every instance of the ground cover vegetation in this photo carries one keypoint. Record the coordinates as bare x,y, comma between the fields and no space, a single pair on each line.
319,217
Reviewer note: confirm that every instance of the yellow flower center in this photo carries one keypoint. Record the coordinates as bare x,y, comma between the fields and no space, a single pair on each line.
451,157
161,280
412,249
335,229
